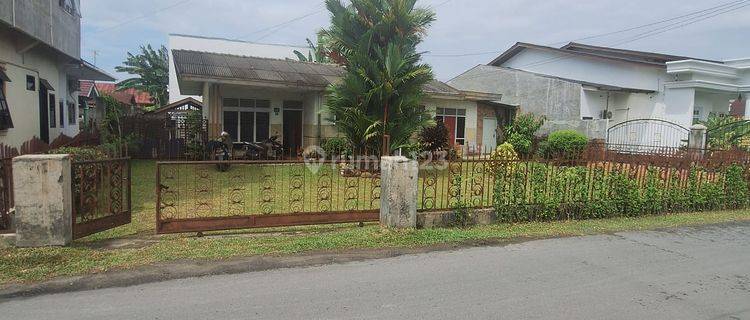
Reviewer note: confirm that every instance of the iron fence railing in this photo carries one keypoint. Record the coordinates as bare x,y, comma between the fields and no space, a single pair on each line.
101,195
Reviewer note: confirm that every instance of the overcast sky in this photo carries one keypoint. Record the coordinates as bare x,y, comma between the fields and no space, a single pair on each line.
113,28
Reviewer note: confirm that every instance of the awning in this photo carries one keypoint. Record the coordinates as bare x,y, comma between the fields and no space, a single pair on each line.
87,71
46,84
4,76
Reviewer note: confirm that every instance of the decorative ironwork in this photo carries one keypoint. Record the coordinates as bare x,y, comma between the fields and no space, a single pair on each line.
253,194
101,195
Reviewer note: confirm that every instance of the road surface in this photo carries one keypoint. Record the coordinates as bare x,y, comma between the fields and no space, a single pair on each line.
691,273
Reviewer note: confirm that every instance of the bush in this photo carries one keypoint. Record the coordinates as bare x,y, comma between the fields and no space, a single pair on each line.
567,144
435,138
337,147
81,153
502,158
521,132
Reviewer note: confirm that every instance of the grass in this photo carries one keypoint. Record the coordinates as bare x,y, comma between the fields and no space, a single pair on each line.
31,265
89,256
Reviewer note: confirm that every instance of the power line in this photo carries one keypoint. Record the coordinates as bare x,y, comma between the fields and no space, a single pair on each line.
277,27
711,9
152,13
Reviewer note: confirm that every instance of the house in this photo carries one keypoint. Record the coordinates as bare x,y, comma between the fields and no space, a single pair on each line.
252,95
598,90
92,107
40,66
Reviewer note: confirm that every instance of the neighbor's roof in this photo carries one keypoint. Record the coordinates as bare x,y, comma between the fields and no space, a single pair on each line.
189,101
125,96
288,72
642,57
207,65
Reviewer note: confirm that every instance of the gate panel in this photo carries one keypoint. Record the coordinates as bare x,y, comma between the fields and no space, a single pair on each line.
207,196
101,195
648,132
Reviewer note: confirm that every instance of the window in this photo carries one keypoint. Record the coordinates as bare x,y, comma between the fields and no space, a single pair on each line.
62,114
5,121
455,120
52,117
30,83
696,115
69,6
247,120
72,119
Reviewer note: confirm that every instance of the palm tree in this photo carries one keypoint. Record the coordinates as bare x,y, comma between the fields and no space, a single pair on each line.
152,70
316,53
380,94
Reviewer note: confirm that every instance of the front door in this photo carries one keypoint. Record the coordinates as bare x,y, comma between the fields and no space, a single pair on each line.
450,123
43,114
293,130
489,134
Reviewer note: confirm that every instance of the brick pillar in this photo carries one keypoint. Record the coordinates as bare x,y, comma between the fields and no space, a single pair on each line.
398,196
44,206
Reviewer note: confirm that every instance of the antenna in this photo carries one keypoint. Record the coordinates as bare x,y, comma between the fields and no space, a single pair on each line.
94,53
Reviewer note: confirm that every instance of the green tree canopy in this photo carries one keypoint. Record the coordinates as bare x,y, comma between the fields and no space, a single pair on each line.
152,70
376,40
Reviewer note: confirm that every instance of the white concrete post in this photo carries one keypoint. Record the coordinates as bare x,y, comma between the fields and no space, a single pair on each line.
398,196
697,139
43,198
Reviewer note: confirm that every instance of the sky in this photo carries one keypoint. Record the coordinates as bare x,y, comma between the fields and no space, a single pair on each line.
466,33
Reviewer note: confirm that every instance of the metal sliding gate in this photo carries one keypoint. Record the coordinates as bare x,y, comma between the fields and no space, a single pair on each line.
212,196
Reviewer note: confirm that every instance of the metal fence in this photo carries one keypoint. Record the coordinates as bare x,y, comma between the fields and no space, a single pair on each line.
206,196
602,180
101,195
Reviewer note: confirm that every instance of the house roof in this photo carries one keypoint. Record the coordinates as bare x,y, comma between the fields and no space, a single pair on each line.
225,66
87,89
208,65
648,58
127,96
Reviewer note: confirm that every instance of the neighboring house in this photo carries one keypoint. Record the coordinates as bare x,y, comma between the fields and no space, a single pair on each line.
40,66
593,89
93,107
253,97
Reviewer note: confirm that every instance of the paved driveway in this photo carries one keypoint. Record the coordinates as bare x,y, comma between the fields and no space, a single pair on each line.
692,273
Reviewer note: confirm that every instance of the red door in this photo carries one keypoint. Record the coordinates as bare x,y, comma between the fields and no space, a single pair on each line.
450,123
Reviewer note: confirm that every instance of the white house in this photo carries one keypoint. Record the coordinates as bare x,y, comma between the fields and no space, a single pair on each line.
40,66
598,89
254,91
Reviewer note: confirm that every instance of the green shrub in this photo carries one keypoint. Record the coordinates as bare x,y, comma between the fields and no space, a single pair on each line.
521,132
503,158
81,153
565,143
337,147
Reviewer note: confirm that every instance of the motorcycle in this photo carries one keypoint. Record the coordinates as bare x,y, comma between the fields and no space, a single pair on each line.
267,149
219,151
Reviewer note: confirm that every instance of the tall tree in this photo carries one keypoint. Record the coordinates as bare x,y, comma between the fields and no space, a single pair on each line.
152,70
380,94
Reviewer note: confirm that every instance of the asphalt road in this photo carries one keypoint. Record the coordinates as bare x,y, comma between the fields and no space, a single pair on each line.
693,273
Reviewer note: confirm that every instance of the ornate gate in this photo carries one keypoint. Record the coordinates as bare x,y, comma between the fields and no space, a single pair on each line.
101,195
211,195
648,133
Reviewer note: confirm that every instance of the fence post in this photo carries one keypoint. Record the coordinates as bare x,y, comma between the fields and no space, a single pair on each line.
399,185
697,138
42,185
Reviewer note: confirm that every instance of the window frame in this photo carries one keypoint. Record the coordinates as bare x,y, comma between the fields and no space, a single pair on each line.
51,110
4,106
72,114
441,113
62,113
244,106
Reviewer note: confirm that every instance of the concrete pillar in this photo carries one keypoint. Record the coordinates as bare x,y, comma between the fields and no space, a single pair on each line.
697,139
42,186
747,105
398,196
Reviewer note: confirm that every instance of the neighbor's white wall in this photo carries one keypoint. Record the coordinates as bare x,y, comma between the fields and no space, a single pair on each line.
221,46
601,71
24,104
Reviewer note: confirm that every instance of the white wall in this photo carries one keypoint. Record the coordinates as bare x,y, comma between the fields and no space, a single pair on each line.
595,70
38,62
217,45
